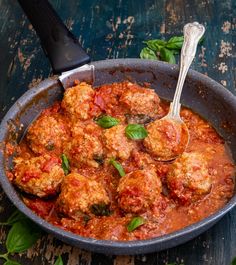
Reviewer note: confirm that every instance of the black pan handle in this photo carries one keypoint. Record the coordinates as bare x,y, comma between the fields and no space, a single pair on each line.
59,44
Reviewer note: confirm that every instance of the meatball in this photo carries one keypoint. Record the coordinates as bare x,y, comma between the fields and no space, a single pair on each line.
79,194
47,134
138,190
117,144
140,100
188,178
40,176
166,139
85,148
77,101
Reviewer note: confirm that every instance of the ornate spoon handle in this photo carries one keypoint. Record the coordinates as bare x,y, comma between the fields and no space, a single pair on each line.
192,34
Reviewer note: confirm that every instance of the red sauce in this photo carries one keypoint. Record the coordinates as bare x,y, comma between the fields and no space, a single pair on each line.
163,214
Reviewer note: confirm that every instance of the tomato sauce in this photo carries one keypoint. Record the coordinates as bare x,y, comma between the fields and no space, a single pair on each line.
162,211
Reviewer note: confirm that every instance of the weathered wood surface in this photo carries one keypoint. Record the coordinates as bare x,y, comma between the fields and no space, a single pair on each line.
116,29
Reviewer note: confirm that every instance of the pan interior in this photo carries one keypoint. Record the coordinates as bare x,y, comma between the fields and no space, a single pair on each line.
201,94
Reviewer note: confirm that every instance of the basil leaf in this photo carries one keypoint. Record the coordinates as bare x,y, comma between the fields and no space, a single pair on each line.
59,261
15,217
155,45
106,121
167,56
11,262
135,131
175,43
118,166
147,53
233,261
135,223
201,40
22,236
100,209
65,164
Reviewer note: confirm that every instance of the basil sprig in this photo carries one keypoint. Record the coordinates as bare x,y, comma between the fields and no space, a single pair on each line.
22,235
163,50
58,261
16,216
106,121
135,132
147,53
117,166
135,223
233,261
65,164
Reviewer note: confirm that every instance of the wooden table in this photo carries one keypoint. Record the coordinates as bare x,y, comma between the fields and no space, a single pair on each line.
116,29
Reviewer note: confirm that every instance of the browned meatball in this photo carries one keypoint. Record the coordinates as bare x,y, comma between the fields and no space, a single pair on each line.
117,144
138,190
47,134
85,148
79,194
165,139
77,101
188,178
140,100
40,176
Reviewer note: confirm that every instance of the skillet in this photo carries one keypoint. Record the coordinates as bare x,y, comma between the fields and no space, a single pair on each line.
203,95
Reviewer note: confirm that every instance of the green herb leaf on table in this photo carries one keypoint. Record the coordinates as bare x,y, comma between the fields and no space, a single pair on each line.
135,223
118,166
65,164
233,261
59,261
147,53
175,43
22,235
15,217
167,56
163,50
106,121
135,132
155,45
11,262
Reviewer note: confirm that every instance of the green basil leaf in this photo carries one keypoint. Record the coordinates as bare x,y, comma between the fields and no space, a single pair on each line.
233,261
118,166
65,164
147,53
11,262
22,236
175,43
135,223
59,261
15,217
100,209
175,52
106,121
135,131
201,40
155,45
167,56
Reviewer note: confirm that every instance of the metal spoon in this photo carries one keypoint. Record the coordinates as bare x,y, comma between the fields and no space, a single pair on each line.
171,129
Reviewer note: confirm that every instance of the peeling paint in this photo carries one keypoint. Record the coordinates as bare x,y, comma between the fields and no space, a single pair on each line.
225,49
226,27
223,68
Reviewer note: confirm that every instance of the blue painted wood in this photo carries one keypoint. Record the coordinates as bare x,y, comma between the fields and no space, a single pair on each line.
116,29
